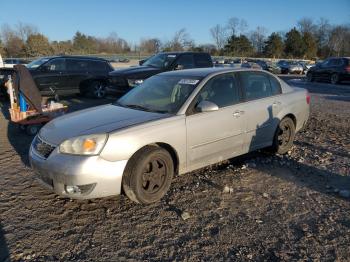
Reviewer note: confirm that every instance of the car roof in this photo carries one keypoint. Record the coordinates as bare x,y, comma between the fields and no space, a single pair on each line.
203,72
182,52
76,56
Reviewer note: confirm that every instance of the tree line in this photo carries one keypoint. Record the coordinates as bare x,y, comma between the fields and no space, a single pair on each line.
306,40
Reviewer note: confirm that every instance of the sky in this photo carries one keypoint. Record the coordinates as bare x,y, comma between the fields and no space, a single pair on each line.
136,19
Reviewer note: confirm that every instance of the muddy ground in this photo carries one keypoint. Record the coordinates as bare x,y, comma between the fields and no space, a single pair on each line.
257,207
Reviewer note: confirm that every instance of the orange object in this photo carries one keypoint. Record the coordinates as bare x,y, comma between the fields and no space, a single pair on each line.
89,144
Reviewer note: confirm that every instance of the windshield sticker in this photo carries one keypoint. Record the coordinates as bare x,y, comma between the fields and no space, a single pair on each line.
171,55
188,81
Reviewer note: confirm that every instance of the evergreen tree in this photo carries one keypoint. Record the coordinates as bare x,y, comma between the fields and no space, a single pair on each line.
274,46
294,44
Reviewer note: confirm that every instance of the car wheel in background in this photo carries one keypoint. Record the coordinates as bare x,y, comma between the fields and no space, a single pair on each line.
284,136
309,77
148,175
32,130
334,79
97,89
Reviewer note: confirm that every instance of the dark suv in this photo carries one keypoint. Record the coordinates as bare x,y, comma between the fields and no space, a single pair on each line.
335,70
123,80
71,74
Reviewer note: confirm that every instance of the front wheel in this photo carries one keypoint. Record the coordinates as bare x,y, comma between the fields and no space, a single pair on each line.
284,136
309,77
148,175
334,79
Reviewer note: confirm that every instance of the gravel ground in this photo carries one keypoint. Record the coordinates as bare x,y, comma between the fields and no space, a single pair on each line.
257,207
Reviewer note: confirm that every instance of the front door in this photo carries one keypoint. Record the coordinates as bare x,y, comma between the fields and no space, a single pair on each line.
217,135
51,75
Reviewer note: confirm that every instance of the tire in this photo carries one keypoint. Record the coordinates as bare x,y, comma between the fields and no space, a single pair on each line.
334,78
309,77
32,130
148,174
97,89
284,136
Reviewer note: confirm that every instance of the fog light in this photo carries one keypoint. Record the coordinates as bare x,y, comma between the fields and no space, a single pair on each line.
73,190
78,190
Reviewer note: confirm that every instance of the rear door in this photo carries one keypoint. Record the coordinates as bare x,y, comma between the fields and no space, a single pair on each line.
217,135
186,61
77,72
51,75
262,95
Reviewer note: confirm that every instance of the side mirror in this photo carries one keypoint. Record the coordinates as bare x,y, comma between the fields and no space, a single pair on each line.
206,106
179,67
142,61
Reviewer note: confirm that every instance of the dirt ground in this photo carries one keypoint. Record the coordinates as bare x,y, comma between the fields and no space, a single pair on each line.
258,207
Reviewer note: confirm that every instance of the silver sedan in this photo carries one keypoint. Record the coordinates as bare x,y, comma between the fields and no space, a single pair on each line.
172,123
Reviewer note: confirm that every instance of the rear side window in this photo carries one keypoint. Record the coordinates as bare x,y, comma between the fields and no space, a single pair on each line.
275,86
77,65
221,90
255,85
98,66
202,60
186,61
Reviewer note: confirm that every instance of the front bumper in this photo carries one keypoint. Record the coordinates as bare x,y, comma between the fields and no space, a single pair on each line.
97,176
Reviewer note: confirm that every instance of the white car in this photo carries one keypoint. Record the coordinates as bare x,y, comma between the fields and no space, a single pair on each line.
10,62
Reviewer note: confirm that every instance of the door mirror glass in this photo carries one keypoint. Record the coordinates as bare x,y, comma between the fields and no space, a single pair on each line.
206,106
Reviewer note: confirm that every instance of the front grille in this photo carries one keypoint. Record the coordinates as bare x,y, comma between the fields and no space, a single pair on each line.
42,148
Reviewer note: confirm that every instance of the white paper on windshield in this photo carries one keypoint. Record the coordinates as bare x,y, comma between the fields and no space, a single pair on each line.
171,55
188,81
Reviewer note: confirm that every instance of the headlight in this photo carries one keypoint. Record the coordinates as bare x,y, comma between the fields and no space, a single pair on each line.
135,82
84,145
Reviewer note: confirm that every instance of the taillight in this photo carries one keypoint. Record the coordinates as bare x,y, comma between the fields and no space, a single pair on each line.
347,69
308,98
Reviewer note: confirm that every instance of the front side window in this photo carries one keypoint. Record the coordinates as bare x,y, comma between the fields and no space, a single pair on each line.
162,94
160,60
221,90
255,85
55,65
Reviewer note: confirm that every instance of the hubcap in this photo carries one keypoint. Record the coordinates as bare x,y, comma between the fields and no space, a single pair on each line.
284,136
99,90
153,176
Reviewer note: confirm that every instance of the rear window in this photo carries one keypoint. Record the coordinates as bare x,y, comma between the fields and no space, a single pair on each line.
77,65
203,60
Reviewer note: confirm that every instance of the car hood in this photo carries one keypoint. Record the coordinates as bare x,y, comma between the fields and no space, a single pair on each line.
101,119
136,71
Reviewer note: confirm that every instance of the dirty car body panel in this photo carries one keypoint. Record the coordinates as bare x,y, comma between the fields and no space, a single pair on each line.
195,139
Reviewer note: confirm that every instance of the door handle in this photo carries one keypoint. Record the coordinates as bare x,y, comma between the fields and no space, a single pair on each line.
276,103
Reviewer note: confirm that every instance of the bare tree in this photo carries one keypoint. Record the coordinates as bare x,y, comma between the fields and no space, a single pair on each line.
180,41
258,37
13,44
150,46
236,26
306,25
218,33
339,40
25,30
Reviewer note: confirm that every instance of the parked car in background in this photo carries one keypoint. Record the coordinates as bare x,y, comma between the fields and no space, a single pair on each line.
122,80
335,70
306,66
71,74
173,123
290,67
119,60
251,65
10,62
268,66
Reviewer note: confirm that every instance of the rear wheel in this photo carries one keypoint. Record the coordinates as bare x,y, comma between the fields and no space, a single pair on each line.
148,175
334,78
284,136
97,89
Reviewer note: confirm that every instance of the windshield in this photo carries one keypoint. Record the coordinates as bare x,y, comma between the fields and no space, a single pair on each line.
161,94
37,63
160,60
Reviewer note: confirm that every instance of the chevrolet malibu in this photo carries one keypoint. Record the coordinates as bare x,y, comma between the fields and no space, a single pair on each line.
173,123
